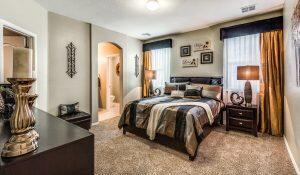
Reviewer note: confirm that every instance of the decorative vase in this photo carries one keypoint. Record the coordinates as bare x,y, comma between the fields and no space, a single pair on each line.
24,137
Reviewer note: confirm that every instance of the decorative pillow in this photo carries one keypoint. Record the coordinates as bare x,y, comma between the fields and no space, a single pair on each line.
194,86
173,86
192,93
69,108
211,91
177,94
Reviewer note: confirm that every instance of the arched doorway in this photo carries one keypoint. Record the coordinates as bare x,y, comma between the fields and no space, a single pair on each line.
110,94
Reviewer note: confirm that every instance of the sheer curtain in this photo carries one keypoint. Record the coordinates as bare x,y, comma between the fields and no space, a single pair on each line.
161,63
240,51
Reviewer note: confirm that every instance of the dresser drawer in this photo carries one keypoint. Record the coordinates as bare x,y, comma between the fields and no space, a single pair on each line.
237,122
240,113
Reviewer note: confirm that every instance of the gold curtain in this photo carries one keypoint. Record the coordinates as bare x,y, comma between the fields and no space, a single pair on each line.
147,66
272,65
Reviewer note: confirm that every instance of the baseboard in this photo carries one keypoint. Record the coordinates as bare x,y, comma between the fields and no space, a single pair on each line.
291,156
95,123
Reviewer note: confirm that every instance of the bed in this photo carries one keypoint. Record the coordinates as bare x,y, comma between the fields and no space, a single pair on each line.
178,123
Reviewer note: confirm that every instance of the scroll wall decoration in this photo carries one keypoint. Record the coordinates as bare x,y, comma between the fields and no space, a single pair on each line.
137,66
296,38
71,53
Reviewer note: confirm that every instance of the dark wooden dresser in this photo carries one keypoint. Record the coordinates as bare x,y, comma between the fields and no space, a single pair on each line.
242,118
64,149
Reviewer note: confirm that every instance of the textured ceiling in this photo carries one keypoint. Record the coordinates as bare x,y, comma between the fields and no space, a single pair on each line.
131,17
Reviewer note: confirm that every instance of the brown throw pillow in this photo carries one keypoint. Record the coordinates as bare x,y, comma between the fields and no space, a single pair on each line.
173,86
192,93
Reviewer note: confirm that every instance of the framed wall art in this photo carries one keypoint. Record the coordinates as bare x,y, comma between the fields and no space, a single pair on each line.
207,58
185,51
189,62
202,46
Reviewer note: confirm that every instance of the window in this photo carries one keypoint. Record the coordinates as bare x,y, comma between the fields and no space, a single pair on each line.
161,63
240,51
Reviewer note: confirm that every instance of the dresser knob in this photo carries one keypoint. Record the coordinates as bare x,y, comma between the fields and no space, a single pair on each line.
240,113
241,123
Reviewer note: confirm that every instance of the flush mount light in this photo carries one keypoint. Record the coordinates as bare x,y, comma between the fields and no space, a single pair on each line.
152,5
146,34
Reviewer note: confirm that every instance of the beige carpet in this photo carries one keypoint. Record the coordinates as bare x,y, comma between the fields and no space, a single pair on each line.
221,152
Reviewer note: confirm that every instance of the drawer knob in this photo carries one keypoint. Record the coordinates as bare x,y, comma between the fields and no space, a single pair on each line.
240,113
241,123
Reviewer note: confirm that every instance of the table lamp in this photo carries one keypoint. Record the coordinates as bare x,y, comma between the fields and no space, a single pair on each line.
150,75
248,73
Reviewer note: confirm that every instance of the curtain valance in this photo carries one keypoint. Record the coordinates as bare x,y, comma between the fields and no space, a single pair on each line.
256,27
167,43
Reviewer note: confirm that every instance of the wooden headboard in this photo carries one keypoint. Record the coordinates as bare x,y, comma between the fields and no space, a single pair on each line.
200,80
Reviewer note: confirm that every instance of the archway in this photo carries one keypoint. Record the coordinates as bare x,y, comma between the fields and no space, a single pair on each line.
110,80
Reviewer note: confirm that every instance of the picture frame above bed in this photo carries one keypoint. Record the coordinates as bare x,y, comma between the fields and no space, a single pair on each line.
185,51
207,58
189,62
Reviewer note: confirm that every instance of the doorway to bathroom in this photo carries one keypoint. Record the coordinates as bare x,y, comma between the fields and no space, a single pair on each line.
109,80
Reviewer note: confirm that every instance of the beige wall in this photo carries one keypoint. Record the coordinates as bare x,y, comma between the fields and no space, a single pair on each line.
115,79
131,86
105,50
31,18
62,88
211,34
292,93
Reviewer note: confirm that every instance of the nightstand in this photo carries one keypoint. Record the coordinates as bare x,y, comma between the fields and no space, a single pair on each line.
242,118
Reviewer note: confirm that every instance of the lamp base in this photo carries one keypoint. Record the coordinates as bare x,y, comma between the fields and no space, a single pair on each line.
248,93
20,144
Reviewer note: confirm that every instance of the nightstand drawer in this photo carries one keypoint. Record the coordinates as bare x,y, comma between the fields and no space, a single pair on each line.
240,113
240,123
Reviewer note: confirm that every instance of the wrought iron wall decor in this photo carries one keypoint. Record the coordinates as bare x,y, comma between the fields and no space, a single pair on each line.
71,54
296,38
137,66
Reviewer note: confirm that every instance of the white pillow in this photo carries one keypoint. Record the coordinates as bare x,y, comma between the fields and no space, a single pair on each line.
193,86
177,94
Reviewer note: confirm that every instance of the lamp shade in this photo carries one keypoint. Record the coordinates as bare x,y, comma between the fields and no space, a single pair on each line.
248,72
150,74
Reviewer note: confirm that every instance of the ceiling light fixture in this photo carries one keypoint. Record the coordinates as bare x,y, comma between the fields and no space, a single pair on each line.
152,5
146,34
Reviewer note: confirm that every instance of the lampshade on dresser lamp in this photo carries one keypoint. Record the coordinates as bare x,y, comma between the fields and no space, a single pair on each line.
150,75
248,73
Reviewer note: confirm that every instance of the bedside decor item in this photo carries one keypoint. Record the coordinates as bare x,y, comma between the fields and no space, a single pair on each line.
236,99
24,137
150,75
157,92
137,66
248,73
185,51
207,58
202,46
296,38
71,53
242,118
189,62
